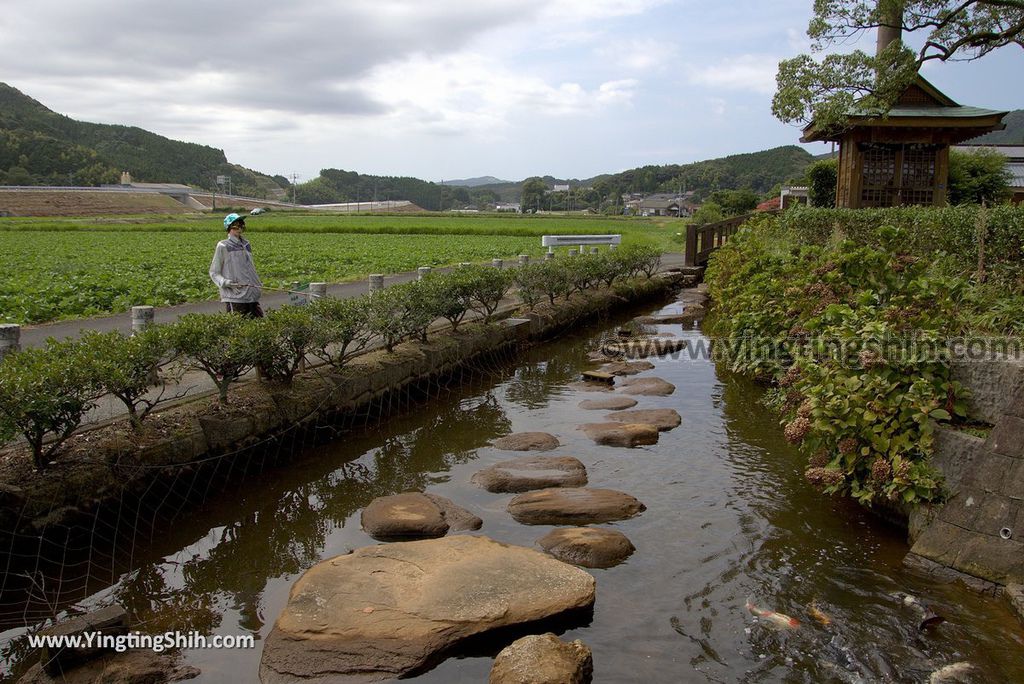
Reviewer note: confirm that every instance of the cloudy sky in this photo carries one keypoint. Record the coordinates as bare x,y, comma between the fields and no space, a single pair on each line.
437,89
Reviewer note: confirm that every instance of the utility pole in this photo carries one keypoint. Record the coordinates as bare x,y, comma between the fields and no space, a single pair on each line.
294,177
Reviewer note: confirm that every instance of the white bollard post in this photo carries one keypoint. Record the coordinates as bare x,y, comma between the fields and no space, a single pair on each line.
524,259
497,263
376,282
464,264
10,338
422,272
317,291
613,247
142,318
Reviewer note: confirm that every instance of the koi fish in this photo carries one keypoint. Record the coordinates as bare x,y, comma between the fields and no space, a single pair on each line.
818,614
780,620
955,672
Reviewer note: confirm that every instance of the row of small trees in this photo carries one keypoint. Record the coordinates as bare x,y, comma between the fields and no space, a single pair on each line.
46,392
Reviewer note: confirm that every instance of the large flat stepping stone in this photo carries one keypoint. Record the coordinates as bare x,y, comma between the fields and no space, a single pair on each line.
608,403
532,472
651,387
590,547
663,418
386,611
527,441
581,506
626,435
627,367
591,386
543,659
415,515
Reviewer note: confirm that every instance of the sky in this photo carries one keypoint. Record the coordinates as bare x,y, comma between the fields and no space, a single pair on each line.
438,89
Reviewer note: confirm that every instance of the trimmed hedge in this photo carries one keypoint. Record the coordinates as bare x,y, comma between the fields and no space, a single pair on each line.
45,393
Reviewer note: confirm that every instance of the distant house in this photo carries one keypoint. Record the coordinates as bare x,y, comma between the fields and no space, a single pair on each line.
560,188
663,204
794,194
509,207
1014,164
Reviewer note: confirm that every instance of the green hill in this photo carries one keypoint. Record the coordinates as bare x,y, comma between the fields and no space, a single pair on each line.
1013,134
40,147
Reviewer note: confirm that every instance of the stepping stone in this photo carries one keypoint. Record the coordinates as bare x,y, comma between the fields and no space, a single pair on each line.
580,506
608,403
589,547
627,435
387,611
599,376
652,387
662,345
527,441
532,472
663,419
627,367
543,659
415,515
597,356
692,296
591,387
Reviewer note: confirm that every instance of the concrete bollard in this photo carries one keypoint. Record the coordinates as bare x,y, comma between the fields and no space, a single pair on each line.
497,263
594,250
317,291
10,338
524,259
376,282
464,264
613,247
422,272
548,256
142,318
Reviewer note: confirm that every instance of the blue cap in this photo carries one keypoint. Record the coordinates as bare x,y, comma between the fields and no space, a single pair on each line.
231,218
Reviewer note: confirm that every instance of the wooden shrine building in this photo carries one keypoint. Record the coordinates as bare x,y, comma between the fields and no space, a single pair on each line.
903,157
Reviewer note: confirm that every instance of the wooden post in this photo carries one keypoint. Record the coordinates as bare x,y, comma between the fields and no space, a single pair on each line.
690,256
142,318
10,338
376,282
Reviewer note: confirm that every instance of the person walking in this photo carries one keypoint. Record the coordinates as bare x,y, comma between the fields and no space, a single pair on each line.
232,270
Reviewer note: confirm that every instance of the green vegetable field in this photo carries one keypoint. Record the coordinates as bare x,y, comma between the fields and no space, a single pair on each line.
53,269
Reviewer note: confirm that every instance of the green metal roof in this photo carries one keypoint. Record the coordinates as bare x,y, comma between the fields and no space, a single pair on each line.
904,111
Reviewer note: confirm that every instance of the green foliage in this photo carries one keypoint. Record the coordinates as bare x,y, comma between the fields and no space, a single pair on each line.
534,194
854,338
734,202
341,327
825,91
978,175
44,393
127,367
386,316
709,212
822,177
487,287
281,341
224,346
451,294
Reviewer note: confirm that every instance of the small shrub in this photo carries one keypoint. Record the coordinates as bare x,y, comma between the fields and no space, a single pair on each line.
221,345
486,287
451,295
342,329
385,316
281,342
44,393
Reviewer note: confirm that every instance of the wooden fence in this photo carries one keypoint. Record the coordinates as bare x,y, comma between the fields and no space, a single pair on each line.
704,239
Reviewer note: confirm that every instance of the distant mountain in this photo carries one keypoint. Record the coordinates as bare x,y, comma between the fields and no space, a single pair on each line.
39,146
1013,134
475,182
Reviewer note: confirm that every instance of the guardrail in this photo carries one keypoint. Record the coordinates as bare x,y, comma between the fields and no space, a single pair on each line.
703,239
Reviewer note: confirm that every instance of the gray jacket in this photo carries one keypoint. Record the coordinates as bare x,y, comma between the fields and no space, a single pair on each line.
233,271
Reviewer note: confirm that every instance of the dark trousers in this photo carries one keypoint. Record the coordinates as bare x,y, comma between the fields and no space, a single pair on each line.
247,309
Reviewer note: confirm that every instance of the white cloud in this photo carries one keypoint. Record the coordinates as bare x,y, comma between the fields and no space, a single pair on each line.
744,72
638,54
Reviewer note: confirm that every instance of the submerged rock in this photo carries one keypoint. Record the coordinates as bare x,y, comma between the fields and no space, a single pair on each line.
532,472
608,403
415,515
384,611
648,387
615,434
627,367
579,506
130,667
663,418
527,441
543,659
591,547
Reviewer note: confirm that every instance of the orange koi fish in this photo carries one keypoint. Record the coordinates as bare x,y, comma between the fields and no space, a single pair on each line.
818,614
780,620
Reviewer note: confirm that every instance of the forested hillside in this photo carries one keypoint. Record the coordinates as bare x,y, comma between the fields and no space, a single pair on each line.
1013,134
40,147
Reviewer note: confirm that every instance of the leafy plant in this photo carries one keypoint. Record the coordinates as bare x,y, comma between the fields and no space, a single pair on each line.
220,345
281,341
341,327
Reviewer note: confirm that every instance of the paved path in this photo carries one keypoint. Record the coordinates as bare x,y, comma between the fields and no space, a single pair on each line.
196,383
35,336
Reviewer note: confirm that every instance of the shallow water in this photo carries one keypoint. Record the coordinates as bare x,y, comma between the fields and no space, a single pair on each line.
729,517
